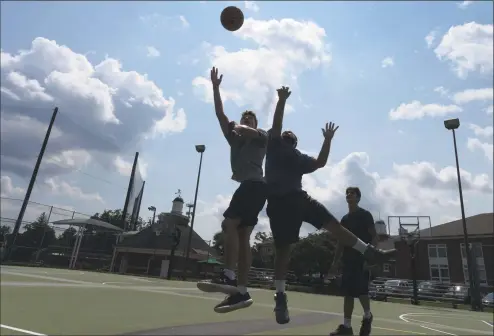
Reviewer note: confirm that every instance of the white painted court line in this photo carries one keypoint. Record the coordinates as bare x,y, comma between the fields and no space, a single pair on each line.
29,332
489,324
406,317
447,333
165,290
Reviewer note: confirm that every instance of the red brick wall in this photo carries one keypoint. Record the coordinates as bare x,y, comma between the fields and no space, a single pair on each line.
455,263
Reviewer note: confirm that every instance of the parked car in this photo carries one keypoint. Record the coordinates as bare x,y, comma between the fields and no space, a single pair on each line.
488,300
431,290
376,291
397,288
458,293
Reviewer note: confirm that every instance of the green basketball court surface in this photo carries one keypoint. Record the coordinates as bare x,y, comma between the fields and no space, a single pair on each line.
43,301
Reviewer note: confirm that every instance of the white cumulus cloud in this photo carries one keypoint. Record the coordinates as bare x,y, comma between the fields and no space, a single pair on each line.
417,110
284,49
104,110
470,95
467,48
481,131
486,148
251,5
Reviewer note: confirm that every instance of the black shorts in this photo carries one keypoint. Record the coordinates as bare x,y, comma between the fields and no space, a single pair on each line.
247,202
287,212
355,280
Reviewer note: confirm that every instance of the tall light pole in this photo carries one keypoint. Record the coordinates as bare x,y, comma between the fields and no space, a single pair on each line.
200,149
153,209
452,125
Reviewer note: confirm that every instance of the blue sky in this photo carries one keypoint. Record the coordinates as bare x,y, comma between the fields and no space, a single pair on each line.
333,56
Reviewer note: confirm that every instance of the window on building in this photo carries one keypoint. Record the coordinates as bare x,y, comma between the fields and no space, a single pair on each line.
439,273
438,251
481,274
476,250
385,267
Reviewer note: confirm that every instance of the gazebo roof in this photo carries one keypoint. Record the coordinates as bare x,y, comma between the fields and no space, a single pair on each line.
84,222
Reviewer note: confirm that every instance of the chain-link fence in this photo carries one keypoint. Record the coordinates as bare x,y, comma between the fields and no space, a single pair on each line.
40,241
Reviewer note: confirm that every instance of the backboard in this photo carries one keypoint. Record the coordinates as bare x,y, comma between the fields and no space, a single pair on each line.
409,227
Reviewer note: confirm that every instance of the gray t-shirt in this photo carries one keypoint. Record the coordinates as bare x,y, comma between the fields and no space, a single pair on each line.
247,155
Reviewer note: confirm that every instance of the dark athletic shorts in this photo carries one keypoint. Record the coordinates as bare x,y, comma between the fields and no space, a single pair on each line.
355,280
247,202
287,212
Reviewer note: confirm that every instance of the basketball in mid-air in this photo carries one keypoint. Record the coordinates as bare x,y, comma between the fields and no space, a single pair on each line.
232,18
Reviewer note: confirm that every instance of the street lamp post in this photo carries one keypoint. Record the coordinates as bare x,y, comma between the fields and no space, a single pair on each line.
452,125
200,149
153,209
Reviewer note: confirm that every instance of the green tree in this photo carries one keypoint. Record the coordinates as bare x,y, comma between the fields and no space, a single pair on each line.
257,261
67,238
114,217
219,242
312,254
37,234
4,232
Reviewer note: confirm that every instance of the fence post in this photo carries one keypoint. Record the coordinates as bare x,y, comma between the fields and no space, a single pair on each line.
40,247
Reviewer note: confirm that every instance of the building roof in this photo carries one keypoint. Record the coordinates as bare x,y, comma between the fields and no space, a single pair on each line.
481,224
147,239
178,199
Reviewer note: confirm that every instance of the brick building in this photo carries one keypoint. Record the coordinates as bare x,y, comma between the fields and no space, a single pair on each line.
440,252
150,251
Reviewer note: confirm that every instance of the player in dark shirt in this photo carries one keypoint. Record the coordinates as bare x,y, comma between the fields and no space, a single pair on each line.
355,276
289,205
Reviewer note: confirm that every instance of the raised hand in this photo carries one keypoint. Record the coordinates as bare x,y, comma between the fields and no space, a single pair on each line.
214,77
329,131
284,93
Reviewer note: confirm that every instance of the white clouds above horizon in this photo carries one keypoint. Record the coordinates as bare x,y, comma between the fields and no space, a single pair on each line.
387,62
102,108
284,49
251,5
467,48
152,52
417,110
464,4
412,189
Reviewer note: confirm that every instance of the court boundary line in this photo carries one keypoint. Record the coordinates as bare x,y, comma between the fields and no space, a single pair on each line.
409,318
140,289
25,331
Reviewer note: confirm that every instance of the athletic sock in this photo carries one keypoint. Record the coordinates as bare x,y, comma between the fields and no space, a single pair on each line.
229,273
367,314
280,286
242,289
360,246
347,322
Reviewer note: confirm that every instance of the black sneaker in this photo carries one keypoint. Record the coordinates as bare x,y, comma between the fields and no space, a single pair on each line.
342,330
281,308
219,284
365,328
376,256
234,302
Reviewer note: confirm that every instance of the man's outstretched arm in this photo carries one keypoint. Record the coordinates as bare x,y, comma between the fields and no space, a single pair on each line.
279,112
328,133
218,103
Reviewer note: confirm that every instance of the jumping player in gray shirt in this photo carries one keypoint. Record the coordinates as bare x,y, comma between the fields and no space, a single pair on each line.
247,151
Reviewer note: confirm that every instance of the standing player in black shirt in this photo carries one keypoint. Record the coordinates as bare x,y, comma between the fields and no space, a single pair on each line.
355,276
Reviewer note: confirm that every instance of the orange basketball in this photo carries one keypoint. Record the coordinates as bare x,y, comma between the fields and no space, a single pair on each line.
232,18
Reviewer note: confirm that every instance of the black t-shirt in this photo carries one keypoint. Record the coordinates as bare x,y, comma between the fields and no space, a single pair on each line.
359,223
285,166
